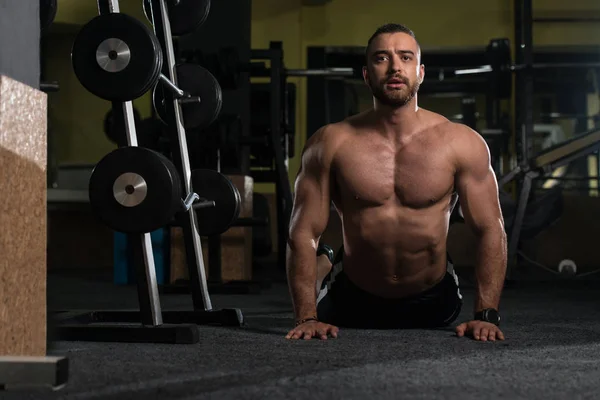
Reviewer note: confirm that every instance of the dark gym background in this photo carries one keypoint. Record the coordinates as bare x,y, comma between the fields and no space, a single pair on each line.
552,319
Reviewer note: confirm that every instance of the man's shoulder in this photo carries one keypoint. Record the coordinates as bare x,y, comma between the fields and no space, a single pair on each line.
331,135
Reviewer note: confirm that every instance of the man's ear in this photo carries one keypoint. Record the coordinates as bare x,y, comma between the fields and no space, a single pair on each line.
365,74
422,72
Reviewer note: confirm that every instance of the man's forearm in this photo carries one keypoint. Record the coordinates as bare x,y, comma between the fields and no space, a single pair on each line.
490,268
302,279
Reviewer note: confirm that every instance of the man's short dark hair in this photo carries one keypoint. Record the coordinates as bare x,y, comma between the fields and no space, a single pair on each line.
391,28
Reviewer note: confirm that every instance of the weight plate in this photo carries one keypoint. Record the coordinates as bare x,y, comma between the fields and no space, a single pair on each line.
114,126
198,82
135,190
116,57
212,185
185,17
48,10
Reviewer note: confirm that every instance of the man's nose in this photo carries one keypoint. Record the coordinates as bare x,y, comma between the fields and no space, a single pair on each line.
395,65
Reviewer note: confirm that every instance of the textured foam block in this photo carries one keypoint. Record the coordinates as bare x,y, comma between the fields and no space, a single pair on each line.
22,219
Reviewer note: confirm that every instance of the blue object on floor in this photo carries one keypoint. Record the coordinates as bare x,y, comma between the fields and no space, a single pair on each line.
123,271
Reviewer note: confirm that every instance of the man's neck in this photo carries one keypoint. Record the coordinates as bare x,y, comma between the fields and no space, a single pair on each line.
397,122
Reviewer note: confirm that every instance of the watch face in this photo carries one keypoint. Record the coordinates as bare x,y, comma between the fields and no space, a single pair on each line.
492,316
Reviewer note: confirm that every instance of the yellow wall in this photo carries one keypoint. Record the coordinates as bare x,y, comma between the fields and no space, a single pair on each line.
437,23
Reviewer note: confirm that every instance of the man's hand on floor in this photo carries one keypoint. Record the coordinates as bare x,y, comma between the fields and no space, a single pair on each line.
480,330
311,329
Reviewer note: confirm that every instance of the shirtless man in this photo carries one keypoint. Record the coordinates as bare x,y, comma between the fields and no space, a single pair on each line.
394,173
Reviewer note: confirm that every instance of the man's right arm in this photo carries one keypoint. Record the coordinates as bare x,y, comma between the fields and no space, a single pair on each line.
310,215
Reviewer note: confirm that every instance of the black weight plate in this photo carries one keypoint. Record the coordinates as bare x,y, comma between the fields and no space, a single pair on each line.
188,15
197,81
135,75
145,213
152,82
212,185
48,9
185,17
114,126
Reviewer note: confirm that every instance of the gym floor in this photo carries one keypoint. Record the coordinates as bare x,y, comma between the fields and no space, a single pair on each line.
551,352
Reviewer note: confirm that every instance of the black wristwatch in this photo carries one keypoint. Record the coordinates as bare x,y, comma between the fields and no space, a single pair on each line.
490,315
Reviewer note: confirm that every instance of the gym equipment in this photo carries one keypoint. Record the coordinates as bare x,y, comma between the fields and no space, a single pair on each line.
21,371
116,57
501,67
227,66
215,187
545,162
135,190
114,125
150,131
185,16
48,10
201,98
567,267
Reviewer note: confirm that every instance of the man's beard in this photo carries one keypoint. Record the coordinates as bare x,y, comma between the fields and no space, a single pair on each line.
395,97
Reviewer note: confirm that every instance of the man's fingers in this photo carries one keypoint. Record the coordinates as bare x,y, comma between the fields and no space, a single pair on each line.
500,335
460,330
321,331
294,334
484,334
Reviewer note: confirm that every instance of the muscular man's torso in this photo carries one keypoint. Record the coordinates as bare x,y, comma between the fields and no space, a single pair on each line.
394,197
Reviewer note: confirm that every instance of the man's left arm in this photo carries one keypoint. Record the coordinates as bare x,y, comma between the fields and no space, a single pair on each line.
478,195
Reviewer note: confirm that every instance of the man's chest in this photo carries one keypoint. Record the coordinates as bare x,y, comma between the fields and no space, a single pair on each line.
417,175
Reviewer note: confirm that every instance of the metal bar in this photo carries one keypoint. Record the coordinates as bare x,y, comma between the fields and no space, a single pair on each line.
320,72
555,115
113,5
513,242
581,153
562,178
193,243
48,87
518,92
510,176
562,150
148,295
172,87
566,19
284,193
556,65
150,309
527,47
485,69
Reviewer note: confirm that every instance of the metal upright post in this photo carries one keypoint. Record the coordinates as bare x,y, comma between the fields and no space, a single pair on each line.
193,245
283,190
523,119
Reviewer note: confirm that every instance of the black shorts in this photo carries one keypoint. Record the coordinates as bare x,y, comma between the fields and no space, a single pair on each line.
342,303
